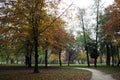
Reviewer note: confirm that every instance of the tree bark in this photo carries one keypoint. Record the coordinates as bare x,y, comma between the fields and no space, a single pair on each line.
35,38
69,59
113,60
86,48
97,26
28,54
95,62
60,61
101,60
113,51
36,57
46,58
26,60
118,63
108,55
85,42
29,61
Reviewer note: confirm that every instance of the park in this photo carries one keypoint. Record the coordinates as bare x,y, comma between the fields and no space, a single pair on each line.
59,40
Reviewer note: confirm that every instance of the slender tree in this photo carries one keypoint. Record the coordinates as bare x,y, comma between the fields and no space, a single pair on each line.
82,14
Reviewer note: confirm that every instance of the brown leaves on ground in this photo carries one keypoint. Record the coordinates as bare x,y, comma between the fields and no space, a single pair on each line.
116,76
44,74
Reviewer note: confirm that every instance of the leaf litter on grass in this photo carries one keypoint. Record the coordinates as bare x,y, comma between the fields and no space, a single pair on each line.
45,74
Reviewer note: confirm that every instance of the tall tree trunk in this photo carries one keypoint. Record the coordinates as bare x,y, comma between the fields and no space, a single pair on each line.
118,63
29,61
108,55
95,62
28,54
36,56
46,58
26,60
113,51
85,41
60,61
35,38
118,56
88,62
113,60
97,25
69,59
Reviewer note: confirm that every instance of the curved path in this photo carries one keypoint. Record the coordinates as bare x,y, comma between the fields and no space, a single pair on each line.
98,75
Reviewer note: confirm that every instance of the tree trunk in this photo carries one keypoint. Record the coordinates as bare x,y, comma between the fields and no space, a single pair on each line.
36,56
86,48
101,59
29,61
95,62
85,42
108,55
46,58
118,63
113,60
60,62
12,61
113,51
118,56
26,60
36,60
97,26
35,37
69,59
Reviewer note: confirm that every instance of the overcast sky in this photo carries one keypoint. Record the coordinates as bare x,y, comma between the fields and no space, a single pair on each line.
72,12
86,3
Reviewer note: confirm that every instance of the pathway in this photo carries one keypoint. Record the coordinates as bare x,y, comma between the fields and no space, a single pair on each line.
98,75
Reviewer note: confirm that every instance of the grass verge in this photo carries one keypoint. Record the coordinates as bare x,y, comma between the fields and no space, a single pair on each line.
114,71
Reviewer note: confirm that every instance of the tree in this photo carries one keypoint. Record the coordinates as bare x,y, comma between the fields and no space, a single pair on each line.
62,40
48,38
33,21
81,16
97,4
111,27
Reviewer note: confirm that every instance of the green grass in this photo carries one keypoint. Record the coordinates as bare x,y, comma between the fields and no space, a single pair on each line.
114,71
50,73
109,70
64,65
73,65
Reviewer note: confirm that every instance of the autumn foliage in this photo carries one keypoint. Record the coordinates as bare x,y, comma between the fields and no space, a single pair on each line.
34,24
112,25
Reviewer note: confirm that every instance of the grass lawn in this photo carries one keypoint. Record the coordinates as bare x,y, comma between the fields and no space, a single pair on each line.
114,71
50,73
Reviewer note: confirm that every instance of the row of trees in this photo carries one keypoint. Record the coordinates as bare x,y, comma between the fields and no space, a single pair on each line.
111,28
27,25
106,41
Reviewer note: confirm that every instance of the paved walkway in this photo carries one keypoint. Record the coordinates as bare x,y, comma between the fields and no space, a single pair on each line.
98,75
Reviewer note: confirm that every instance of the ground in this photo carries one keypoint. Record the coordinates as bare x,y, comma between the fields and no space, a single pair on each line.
50,73
75,72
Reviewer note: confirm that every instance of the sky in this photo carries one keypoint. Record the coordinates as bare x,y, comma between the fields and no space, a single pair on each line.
86,3
70,16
